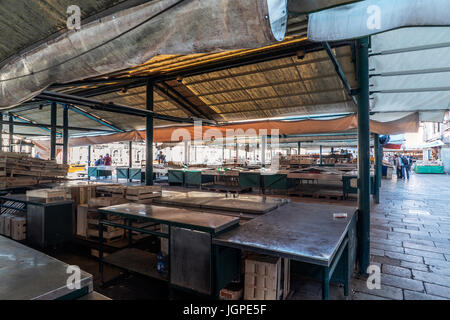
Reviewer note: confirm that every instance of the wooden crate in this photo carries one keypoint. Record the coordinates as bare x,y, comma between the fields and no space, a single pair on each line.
48,195
87,220
143,193
86,193
99,202
108,235
18,228
94,253
164,241
18,170
266,277
6,225
2,224
142,224
117,191
82,216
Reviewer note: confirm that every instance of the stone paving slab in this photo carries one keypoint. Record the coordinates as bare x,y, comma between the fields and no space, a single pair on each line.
410,242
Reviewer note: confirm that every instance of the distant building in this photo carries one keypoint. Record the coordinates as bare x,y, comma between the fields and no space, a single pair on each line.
438,133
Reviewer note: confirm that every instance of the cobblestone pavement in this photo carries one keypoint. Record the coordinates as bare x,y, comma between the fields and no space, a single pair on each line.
410,242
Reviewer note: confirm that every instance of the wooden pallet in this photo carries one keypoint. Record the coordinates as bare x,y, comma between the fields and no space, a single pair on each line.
329,195
266,277
13,226
108,236
46,195
303,194
87,217
19,170
116,191
98,202
225,188
143,193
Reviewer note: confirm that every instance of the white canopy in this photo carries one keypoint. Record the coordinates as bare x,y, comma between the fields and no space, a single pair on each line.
370,17
410,72
409,67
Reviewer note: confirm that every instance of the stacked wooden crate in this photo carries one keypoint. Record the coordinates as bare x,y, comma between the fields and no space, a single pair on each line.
12,220
143,194
19,170
13,226
116,191
46,195
87,219
266,277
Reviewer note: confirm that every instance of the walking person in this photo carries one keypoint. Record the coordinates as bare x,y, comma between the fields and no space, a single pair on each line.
398,167
107,160
405,167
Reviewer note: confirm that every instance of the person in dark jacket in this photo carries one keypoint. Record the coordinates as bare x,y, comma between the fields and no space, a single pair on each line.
405,167
99,161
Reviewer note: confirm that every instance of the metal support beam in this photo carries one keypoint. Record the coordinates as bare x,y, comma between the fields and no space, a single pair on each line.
320,156
11,132
89,155
186,152
179,99
263,151
53,131
1,132
110,107
299,147
42,126
149,135
363,157
351,92
223,151
236,149
95,118
65,134
25,120
377,150
130,154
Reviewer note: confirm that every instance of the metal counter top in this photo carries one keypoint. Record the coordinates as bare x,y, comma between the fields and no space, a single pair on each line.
28,274
174,216
23,198
299,231
219,201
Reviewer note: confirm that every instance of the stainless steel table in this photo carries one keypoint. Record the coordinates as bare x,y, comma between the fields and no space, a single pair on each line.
252,204
303,232
192,262
28,274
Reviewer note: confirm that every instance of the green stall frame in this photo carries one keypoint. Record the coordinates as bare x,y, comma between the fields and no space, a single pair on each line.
175,177
250,180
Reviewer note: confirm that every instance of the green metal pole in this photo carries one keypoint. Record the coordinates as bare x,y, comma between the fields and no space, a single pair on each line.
377,165
53,116
363,157
1,132
321,160
130,154
11,133
65,134
149,136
